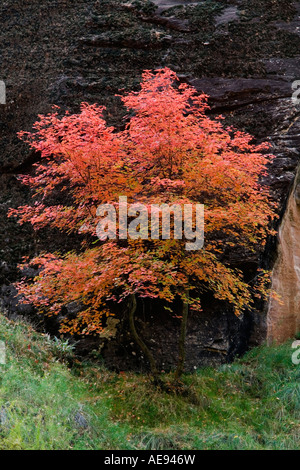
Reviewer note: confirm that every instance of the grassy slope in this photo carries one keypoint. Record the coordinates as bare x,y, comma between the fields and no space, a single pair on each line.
253,403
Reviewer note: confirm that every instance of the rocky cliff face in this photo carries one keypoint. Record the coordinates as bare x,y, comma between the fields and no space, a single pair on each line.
283,318
243,53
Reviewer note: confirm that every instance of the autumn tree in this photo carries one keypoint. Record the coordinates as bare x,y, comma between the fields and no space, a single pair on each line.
169,152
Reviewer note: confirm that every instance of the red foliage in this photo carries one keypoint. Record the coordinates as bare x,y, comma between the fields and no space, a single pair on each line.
169,152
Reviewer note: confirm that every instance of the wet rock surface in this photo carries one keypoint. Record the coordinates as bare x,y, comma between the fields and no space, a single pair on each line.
245,54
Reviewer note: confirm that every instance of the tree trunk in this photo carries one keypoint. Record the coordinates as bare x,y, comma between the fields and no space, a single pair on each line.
182,338
139,341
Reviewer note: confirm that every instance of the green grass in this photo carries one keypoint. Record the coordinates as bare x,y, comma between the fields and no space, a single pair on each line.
253,403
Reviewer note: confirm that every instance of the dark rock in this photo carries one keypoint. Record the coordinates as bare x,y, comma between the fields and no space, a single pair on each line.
228,15
232,93
4,418
106,40
169,22
214,336
61,52
80,420
297,194
11,302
